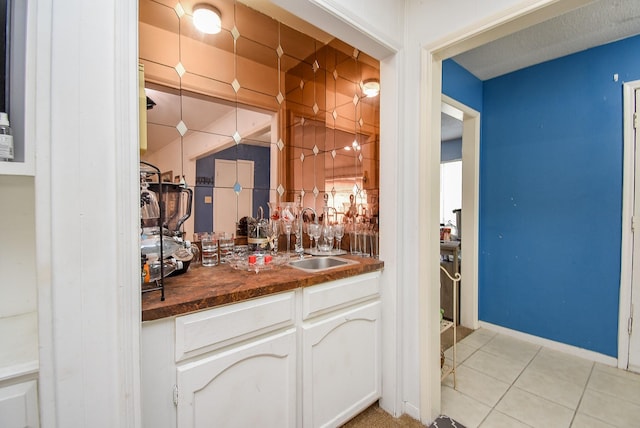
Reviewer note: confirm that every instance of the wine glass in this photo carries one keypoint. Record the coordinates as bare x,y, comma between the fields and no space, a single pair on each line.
314,232
327,241
274,233
287,225
338,231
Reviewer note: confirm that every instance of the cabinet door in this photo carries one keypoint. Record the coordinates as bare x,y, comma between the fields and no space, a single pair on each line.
19,405
251,385
341,365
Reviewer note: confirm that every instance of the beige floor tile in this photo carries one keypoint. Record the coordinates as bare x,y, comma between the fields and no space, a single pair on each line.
462,408
564,366
510,348
623,387
583,421
505,370
478,338
478,386
462,352
616,371
551,387
533,410
609,408
500,420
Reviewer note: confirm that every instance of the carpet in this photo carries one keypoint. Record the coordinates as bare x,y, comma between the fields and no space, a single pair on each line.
445,422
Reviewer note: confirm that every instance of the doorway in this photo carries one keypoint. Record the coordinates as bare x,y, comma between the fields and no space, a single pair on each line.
232,193
628,336
470,159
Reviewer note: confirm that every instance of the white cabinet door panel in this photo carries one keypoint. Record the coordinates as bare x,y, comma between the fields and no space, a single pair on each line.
19,405
341,365
252,385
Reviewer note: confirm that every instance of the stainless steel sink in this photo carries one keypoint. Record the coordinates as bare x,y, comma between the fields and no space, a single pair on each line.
319,264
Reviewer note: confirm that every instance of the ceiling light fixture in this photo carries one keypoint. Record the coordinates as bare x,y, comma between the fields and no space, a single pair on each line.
207,19
371,87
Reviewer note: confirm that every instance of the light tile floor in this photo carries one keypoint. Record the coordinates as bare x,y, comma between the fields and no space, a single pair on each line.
503,382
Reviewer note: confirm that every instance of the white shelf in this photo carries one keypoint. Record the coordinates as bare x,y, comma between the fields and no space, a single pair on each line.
445,371
17,168
445,325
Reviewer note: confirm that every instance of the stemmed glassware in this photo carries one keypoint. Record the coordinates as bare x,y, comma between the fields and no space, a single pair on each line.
273,233
315,229
326,243
338,231
288,215
287,225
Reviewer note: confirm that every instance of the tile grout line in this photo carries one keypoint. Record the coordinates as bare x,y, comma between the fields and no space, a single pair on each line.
584,390
509,389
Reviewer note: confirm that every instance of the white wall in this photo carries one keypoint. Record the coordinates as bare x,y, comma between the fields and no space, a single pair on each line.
88,364
18,300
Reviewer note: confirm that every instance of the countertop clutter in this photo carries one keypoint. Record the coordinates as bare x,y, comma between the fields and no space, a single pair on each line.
206,287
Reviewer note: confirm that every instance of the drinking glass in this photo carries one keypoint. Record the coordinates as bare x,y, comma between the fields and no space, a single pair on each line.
314,232
364,241
225,244
209,251
287,225
375,244
297,231
338,230
274,233
326,241
354,239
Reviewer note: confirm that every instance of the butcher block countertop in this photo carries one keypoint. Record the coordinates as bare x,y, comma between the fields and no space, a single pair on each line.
206,287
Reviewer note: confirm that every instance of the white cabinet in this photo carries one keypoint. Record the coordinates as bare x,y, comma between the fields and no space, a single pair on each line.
230,366
309,357
252,385
341,365
341,349
19,405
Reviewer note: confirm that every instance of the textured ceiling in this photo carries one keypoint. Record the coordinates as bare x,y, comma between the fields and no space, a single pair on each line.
595,24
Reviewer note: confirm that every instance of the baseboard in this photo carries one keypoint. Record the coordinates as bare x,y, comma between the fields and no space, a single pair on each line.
411,410
551,344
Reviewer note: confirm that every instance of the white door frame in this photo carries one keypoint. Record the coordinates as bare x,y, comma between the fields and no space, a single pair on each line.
494,27
470,209
626,262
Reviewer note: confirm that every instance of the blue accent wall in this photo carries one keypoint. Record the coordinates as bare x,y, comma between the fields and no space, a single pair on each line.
461,85
205,173
551,197
451,150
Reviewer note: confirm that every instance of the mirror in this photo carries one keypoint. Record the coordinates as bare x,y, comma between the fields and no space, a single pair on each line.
259,112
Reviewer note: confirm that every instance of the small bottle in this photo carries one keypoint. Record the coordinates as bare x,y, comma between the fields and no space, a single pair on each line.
6,139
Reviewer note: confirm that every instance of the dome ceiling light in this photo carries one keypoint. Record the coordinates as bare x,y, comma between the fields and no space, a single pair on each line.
371,87
207,19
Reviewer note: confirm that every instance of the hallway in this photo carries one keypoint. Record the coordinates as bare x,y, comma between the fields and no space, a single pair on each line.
505,382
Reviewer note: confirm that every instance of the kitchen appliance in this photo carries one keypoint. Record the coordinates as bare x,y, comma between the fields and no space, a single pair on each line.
164,207
177,201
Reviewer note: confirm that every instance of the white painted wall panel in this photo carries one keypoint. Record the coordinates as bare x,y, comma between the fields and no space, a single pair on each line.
17,246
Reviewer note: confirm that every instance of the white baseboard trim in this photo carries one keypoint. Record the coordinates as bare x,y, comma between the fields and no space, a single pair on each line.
411,410
551,344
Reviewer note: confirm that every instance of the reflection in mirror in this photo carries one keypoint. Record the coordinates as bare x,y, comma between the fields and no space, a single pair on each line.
259,112
208,156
